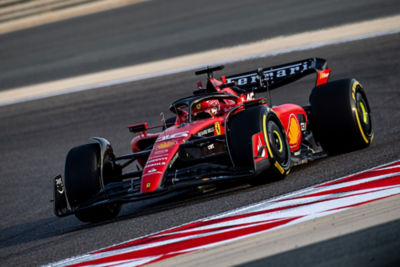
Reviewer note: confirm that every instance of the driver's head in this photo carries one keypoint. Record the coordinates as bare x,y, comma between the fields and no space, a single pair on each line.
208,108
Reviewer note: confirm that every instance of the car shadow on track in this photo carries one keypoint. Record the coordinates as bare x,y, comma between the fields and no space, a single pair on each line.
181,199
47,228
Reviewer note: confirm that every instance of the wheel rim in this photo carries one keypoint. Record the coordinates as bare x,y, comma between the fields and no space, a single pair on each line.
278,141
278,146
364,113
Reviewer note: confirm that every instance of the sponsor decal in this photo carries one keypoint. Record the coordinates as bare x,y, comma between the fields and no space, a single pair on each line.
294,131
303,126
207,131
161,152
323,76
217,128
299,206
59,185
152,170
272,74
155,164
157,159
147,174
166,144
173,136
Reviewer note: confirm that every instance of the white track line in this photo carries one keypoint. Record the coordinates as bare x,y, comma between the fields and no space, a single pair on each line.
279,45
46,16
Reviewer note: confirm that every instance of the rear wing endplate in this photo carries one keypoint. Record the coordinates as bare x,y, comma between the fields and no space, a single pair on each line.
276,76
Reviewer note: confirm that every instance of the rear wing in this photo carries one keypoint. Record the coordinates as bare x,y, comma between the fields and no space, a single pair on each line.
276,76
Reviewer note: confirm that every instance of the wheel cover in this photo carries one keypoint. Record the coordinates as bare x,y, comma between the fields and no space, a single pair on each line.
278,141
363,115
278,146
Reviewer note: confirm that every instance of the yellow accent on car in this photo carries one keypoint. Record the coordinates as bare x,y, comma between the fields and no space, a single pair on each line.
166,144
355,86
294,131
279,167
148,185
364,112
266,137
359,126
217,128
357,115
280,141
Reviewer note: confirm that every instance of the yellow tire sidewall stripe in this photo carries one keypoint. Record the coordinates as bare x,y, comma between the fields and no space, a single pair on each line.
355,84
276,163
266,137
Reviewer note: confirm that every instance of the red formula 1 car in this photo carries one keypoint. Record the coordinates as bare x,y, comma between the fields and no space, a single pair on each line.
222,132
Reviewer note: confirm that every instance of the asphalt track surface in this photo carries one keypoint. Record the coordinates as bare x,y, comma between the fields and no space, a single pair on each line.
35,137
157,29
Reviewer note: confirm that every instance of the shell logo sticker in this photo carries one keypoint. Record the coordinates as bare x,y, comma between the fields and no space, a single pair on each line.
166,144
293,133
217,128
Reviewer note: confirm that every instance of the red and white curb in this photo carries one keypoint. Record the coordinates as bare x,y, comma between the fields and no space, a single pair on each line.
317,201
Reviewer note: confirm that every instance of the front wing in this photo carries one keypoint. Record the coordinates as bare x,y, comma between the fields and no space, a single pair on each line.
185,179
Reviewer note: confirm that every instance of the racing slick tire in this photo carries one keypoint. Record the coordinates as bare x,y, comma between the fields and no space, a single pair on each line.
83,181
254,120
341,116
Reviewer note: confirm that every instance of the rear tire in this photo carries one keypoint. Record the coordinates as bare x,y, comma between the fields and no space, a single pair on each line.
278,151
241,129
83,181
341,116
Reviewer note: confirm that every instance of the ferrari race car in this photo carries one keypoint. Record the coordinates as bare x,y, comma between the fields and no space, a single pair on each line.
221,132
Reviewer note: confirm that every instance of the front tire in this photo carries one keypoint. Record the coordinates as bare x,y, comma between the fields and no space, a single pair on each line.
83,181
341,116
254,120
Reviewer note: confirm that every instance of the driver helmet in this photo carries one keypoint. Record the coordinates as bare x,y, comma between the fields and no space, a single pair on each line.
207,108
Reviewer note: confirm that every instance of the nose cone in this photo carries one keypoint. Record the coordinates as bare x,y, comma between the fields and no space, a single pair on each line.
163,151
157,164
